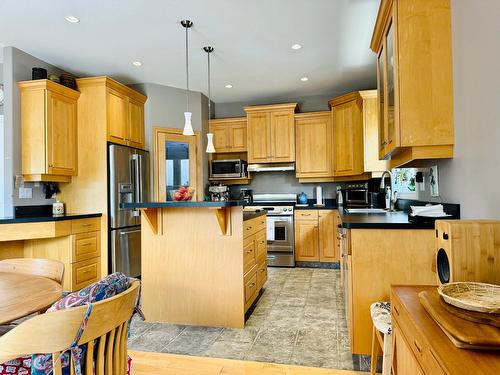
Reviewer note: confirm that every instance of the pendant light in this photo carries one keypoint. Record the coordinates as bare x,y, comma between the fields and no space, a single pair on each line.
188,127
210,136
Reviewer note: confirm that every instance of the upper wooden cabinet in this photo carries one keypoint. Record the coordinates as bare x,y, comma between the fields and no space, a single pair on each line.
271,133
49,131
412,39
313,145
230,134
355,136
124,109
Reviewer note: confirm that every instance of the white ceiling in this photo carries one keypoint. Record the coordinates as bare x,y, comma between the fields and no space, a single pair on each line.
252,40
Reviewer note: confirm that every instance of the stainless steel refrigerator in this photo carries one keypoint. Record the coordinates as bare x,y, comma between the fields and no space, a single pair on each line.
128,181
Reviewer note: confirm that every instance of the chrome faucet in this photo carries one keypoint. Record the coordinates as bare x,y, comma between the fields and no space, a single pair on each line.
393,198
382,180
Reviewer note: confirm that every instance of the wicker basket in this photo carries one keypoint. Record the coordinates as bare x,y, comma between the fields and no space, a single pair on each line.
472,296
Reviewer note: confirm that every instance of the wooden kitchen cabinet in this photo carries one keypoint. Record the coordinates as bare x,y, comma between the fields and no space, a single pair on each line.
254,258
377,259
328,250
412,40
49,131
230,134
136,124
306,241
125,116
422,347
271,133
313,145
123,108
404,360
78,246
315,236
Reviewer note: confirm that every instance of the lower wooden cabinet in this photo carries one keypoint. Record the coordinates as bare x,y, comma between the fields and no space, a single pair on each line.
316,236
79,250
404,361
254,258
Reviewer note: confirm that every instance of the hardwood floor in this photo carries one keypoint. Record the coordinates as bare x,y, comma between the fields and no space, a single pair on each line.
169,364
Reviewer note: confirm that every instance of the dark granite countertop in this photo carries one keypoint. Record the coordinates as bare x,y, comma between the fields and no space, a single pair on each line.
249,215
174,204
393,220
330,204
388,220
36,219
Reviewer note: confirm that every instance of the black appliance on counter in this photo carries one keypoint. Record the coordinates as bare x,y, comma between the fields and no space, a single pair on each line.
246,195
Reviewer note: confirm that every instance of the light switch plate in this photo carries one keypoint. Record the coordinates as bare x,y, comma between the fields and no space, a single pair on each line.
25,193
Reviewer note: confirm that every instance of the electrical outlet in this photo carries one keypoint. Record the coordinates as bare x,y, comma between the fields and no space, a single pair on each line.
19,181
25,193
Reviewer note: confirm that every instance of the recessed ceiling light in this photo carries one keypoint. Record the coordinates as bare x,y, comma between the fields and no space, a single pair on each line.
72,19
304,79
296,46
228,86
137,63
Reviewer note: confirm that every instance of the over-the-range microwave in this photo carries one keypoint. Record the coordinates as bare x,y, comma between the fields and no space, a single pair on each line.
228,168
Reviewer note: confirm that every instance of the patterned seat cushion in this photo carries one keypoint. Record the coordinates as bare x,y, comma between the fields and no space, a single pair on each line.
381,317
107,287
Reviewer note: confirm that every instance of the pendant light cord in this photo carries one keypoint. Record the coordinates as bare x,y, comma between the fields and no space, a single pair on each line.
187,71
209,100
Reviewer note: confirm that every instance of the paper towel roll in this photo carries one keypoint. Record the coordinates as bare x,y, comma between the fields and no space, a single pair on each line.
319,195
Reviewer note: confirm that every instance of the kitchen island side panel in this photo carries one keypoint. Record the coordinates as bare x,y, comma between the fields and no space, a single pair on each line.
191,273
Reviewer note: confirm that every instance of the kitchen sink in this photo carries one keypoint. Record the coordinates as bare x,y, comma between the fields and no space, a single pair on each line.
366,210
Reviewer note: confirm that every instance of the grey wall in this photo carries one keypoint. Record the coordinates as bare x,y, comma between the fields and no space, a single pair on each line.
284,182
472,177
17,66
306,104
165,108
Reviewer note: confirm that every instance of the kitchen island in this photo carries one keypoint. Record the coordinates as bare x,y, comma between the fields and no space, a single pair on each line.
202,263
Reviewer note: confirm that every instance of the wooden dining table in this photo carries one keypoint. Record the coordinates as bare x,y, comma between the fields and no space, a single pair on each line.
22,295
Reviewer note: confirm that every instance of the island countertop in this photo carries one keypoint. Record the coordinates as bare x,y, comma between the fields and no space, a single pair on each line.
180,204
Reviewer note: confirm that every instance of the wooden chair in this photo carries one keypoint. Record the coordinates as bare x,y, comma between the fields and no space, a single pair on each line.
53,332
51,269
381,337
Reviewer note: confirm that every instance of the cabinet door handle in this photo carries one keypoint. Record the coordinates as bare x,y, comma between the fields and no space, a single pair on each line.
417,347
85,244
395,309
305,214
262,270
251,285
249,251
248,228
86,225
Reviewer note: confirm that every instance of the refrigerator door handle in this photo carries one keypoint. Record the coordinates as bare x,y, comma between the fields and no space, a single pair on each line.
137,178
141,182
129,232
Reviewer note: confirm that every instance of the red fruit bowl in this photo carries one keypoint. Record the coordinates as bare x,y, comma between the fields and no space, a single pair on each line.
182,194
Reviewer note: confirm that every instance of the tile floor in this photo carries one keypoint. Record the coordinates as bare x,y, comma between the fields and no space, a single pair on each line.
299,320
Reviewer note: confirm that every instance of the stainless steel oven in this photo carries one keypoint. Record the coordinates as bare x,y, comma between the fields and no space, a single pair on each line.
280,230
228,168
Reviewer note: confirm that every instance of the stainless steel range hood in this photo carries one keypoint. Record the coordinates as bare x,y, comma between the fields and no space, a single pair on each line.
271,167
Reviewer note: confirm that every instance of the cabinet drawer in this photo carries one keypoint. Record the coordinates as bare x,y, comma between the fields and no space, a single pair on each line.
248,253
249,228
250,281
260,222
306,214
85,246
261,245
261,274
85,225
85,272
417,343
